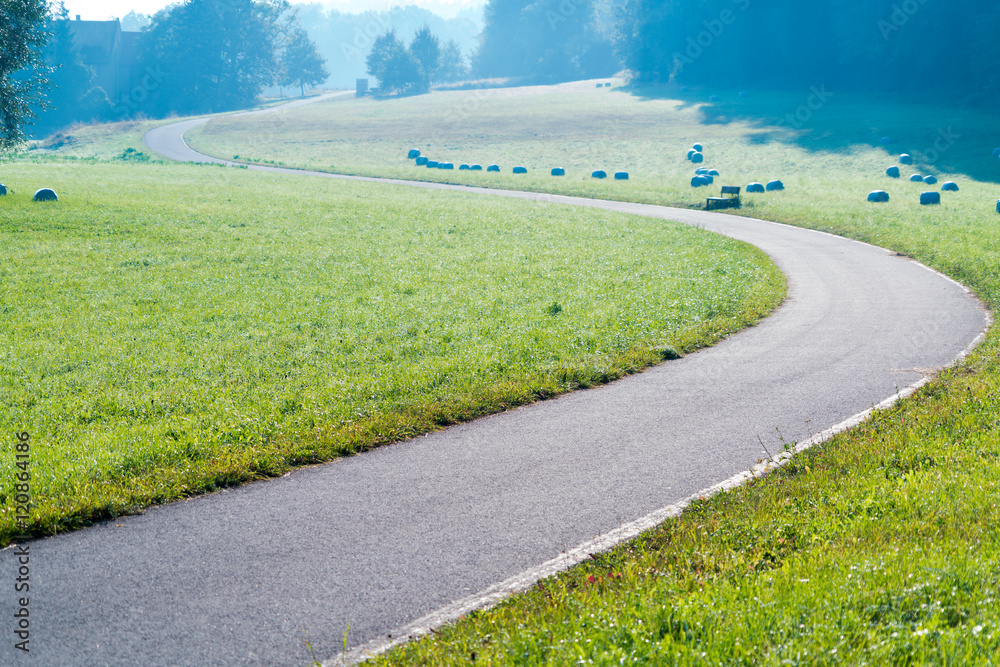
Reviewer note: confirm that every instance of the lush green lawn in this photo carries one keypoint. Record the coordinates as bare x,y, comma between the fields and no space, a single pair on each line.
881,546
169,329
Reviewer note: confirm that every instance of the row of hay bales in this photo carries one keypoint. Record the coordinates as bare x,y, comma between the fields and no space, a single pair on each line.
423,161
44,194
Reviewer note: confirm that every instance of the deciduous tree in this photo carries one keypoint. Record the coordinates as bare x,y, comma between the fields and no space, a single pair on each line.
22,73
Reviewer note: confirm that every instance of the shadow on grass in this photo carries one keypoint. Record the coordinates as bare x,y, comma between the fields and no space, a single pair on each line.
943,140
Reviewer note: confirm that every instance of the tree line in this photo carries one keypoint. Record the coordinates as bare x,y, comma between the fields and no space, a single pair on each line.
897,46
197,56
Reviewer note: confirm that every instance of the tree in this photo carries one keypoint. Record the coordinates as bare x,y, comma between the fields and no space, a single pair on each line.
301,63
211,55
22,37
396,69
453,67
135,22
426,48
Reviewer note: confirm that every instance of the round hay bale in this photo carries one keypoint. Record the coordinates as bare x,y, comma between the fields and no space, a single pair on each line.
520,170
755,187
493,167
697,158
558,171
713,172
775,185
949,186
698,148
476,167
431,164
702,170
600,85
45,194
600,173
917,178
878,196
998,206
445,165
414,153
691,153
464,167
930,180
3,190
621,175
996,152
905,159
699,181
892,172
886,141
929,198
710,179
421,161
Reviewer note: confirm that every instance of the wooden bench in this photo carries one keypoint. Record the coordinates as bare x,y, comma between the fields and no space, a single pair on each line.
732,200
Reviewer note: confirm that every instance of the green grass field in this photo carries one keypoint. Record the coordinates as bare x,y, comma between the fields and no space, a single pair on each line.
171,329
880,547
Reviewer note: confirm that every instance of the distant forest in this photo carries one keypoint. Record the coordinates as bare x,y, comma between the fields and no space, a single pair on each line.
922,47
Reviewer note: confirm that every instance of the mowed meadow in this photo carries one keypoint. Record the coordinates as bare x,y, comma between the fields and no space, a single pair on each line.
172,329
880,546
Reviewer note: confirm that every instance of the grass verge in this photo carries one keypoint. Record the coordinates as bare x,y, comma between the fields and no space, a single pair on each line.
169,330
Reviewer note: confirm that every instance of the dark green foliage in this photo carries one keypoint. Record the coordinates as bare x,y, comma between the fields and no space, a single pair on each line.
213,55
427,51
452,64
398,69
22,37
301,63
917,47
548,40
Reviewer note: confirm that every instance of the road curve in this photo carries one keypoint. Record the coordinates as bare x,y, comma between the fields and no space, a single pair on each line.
372,542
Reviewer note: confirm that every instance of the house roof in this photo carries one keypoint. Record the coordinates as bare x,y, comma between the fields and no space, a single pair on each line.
95,40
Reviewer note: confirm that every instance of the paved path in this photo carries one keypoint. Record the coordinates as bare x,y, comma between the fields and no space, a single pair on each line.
375,541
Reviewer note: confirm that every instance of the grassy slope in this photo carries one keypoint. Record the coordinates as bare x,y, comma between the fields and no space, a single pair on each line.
880,547
169,329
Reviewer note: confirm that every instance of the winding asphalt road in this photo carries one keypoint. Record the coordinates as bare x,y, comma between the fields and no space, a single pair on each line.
373,542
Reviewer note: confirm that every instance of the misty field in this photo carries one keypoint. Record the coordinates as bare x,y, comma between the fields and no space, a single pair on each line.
880,547
172,329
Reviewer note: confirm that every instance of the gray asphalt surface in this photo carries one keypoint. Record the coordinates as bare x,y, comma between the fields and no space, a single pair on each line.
372,542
